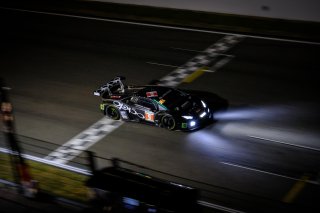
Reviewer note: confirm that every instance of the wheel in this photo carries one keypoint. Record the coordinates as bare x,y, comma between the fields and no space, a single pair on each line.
112,112
168,122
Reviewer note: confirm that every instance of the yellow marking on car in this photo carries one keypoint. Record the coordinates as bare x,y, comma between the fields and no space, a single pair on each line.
162,101
195,75
295,190
102,106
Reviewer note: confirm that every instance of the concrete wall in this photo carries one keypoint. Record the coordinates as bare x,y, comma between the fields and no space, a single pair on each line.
308,10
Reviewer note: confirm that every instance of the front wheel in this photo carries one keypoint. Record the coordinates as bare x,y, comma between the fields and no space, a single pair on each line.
112,112
168,122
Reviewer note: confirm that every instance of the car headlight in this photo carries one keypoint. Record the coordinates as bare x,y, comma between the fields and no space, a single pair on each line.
203,104
188,117
192,123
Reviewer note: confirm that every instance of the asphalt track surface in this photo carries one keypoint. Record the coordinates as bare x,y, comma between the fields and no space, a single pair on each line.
255,155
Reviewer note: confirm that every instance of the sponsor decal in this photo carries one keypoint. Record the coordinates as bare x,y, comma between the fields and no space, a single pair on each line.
149,116
152,94
162,101
125,107
124,114
184,125
115,96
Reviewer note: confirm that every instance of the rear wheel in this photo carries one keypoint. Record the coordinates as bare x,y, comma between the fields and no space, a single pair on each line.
112,112
168,122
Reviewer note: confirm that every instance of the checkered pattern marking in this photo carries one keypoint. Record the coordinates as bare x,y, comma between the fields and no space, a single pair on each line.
103,127
199,61
84,140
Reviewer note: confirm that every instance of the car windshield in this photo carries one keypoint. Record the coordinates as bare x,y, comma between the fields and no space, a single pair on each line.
174,99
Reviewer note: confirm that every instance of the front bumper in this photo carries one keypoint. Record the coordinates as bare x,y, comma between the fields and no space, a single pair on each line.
196,123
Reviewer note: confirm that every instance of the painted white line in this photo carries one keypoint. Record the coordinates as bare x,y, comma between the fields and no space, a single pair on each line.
227,55
168,65
269,173
164,26
49,162
220,63
5,182
207,70
188,50
285,143
159,64
84,140
6,88
198,51
218,207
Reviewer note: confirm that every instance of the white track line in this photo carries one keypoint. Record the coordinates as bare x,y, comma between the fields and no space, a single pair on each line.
159,64
164,26
168,65
218,207
198,51
285,143
269,173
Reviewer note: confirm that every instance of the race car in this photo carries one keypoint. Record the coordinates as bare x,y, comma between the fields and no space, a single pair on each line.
161,106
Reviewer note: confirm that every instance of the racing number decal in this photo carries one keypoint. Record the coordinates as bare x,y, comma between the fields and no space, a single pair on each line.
149,116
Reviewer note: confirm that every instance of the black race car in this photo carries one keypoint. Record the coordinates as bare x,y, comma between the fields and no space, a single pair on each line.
158,105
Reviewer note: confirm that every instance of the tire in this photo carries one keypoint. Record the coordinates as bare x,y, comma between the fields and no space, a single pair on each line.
112,112
168,122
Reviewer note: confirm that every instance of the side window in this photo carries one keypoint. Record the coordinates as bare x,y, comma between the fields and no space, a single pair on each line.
134,100
127,100
147,103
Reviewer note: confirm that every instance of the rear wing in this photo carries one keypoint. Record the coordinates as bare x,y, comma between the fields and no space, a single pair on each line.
114,86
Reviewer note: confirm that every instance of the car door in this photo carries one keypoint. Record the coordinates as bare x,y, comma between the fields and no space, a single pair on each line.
146,107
